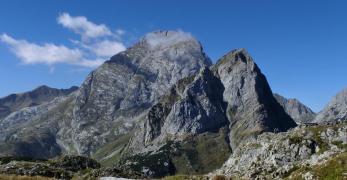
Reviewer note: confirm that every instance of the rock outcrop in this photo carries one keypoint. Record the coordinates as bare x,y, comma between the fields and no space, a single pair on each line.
335,111
278,156
251,109
295,109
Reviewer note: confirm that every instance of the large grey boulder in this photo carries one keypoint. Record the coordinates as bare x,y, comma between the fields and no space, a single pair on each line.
335,111
252,109
295,109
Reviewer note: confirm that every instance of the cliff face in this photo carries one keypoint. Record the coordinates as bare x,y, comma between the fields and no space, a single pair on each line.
251,109
295,109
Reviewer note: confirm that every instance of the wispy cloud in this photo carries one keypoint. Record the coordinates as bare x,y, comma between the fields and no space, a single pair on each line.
97,44
83,27
167,38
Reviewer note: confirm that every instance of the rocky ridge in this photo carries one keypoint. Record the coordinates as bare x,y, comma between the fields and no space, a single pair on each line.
42,94
295,109
277,156
335,111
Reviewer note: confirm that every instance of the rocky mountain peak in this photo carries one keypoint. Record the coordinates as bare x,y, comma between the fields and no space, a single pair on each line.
336,110
166,39
127,85
252,108
295,109
236,56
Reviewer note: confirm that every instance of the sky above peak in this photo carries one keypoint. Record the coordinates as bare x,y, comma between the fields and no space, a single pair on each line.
301,46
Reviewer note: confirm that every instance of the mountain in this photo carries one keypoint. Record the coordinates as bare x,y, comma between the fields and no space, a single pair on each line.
335,111
160,99
111,100
204,117
42,94
251,109
161,108
295,109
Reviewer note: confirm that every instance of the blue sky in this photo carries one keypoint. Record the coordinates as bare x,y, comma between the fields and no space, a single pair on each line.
301,46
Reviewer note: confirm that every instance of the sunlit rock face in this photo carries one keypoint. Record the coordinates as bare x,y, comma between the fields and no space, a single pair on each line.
335,111
252,109
295,109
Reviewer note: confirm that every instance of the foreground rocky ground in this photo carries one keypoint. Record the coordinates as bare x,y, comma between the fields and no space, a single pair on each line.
300,153
305,152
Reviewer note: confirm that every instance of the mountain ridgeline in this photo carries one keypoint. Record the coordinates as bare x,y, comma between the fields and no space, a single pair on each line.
160,107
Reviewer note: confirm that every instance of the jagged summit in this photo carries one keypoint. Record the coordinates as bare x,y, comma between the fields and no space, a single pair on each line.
298,111
235,55
252,109
336,110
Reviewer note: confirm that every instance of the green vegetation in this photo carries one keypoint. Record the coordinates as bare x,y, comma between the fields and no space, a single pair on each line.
334,168
202,153
340,144
16,177
115,146
184,177
196,155
295,139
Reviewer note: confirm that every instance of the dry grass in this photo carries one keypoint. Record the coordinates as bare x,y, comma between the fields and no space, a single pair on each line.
15,177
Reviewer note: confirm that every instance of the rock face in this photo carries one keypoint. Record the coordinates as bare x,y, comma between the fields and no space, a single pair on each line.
295,109
194,109
251,109
335,111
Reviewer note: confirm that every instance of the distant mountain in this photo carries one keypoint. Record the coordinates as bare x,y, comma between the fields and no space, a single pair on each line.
42,94
336,110
295,109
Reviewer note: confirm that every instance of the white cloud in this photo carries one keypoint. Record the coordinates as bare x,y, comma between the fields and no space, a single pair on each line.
97,44
120,32
106,48
83,27
167,38
48,53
